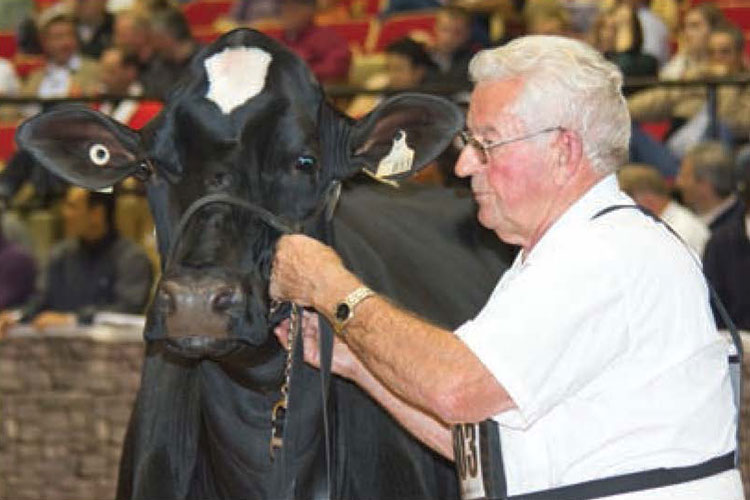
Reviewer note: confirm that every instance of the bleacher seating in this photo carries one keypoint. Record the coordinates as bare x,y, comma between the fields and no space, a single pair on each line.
355,32
7,45
399,26
7,142
205,12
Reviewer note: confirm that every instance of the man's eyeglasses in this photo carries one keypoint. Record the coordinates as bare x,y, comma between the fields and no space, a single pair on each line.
483,149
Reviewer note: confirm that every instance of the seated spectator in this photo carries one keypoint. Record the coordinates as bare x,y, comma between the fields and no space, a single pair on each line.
648,188
66,72
134,36
17,273
21,168
14,230
655,31
94,269
707,184
687,107
726,263
692,57
10,86
120,78
408,65
545,17
618,35
174,45
325,51
94,26
452,48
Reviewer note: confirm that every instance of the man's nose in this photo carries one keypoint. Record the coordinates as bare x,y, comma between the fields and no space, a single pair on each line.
467,163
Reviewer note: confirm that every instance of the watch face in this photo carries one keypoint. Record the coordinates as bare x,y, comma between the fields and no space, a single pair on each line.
342,312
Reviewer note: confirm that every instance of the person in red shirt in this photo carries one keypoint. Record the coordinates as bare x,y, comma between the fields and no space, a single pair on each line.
324,50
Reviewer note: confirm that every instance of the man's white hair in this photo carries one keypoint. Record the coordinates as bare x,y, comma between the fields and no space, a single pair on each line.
566,83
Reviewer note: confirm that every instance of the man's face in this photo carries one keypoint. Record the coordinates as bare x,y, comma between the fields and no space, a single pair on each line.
688,185
76,213
59,41
724,57
513,189
696,32
128,36
115,76
450,33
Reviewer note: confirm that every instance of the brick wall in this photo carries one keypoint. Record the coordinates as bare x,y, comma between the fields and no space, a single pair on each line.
65,402
64,407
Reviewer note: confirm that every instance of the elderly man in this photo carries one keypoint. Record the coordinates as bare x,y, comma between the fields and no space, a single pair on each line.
578,362
707,184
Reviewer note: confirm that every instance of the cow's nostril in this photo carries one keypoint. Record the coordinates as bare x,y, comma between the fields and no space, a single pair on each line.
224,299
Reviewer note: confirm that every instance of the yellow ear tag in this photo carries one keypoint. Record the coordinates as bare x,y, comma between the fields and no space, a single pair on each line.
398,160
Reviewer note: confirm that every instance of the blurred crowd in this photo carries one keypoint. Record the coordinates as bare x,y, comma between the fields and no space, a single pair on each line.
63,250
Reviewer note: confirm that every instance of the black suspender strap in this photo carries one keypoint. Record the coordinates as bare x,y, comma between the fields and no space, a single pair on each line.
637,481
478,451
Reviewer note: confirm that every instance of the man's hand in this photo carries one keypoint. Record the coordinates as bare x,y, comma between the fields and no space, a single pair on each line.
345,363
308,273
7,320
52,319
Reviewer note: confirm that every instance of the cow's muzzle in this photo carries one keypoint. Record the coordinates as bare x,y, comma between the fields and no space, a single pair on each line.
202,307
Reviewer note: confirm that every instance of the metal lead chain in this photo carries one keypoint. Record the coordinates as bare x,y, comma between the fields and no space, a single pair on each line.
278,413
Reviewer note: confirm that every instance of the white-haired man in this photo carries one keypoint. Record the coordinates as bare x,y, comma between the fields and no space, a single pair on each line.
596,356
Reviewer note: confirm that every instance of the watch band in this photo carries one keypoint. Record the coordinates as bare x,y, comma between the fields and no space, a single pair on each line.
344,310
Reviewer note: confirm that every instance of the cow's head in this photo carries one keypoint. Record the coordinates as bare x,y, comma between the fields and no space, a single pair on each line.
250,122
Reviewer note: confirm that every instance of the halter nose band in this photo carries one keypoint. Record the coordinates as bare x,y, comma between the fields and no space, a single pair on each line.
276,222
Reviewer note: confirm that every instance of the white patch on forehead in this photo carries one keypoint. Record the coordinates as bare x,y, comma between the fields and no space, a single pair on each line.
398,160
235,75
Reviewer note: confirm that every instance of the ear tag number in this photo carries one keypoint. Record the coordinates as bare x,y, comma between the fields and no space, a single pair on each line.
398,160
99,154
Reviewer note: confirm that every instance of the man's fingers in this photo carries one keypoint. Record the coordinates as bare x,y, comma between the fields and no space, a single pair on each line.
282,332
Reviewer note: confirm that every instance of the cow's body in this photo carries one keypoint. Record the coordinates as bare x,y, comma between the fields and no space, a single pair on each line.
201,427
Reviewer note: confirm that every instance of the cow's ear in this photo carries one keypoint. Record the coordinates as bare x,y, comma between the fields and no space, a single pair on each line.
403,134
81,145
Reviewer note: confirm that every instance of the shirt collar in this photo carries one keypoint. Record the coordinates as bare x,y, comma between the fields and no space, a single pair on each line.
713,214
603,194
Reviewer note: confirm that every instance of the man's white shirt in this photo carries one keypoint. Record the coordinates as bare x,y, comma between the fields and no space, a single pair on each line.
604,338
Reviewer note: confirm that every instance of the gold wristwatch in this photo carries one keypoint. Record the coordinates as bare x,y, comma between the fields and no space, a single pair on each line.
344,310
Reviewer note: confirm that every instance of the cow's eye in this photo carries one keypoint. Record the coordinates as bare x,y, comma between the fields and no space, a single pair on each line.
306,162
99,154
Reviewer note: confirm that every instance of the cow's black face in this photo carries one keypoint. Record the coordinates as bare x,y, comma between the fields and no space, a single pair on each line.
250,124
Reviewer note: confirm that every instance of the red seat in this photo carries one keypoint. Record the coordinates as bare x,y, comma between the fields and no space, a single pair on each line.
739,16
399,26
205,12
354,32
7,141
7,45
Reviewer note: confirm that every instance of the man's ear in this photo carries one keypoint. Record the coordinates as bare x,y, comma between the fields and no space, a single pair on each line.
82,146
403,135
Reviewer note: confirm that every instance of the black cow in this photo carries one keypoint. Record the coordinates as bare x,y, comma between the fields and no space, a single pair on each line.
245,149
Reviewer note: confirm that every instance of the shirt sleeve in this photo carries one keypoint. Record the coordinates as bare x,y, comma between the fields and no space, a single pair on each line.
551,329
